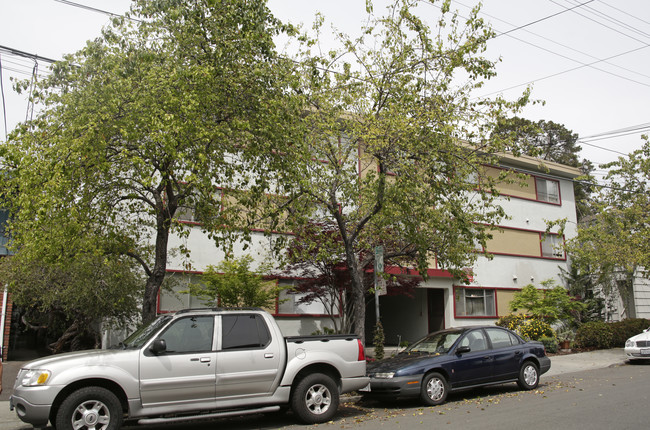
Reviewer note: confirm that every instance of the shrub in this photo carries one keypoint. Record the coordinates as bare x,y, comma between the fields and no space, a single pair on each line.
378,341
594,334
623,330
527,327
535,329
511,321
550,344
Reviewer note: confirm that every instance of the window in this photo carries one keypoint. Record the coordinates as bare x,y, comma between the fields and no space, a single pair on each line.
475,302
243,331
547,190
192,334
476,341
501,338
552,246
289,302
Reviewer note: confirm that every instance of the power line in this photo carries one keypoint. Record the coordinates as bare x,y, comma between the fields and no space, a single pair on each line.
599,23
577,68
2,91
94,9
26,54
620,130
559,44
541,19
616,21
623,12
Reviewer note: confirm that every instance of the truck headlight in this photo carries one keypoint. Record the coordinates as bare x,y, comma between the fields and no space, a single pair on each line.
35,377
384,375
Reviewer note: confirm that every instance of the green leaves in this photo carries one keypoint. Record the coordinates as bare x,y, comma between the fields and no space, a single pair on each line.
154,116
232,283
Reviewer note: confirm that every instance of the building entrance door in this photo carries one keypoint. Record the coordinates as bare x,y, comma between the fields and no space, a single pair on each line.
436,309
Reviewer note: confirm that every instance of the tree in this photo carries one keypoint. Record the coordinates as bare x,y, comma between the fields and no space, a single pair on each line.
70,295
614,244
171,102
317,257
551,304
232,283
391,139
552,142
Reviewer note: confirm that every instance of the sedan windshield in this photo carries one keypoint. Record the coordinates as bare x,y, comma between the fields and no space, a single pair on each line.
144,333
440,343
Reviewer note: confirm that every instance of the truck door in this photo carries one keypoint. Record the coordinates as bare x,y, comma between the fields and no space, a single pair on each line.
185,372
248,360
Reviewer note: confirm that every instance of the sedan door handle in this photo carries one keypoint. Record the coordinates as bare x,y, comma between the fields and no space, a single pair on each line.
268,355
205,359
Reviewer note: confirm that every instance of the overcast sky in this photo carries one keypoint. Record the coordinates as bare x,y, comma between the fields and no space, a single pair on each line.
589,64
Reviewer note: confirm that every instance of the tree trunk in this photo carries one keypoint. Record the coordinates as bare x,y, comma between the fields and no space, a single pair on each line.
157,275
358,316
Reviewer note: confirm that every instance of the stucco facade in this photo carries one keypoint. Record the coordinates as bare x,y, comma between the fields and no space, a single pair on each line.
522,254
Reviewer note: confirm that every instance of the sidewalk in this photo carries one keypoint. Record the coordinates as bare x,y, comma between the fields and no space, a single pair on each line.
560,364
568,363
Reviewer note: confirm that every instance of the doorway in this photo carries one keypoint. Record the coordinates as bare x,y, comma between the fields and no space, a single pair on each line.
436,309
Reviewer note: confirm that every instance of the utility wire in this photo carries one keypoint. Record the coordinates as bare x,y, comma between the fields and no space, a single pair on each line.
599,23
623,12
2,91
573,69
494,18
541,19
620,130
94,9
26,54
616,21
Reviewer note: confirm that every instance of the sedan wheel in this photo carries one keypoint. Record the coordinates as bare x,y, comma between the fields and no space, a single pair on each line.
434,389
528,376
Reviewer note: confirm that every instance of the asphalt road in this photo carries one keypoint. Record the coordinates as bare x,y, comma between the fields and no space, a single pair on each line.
613,397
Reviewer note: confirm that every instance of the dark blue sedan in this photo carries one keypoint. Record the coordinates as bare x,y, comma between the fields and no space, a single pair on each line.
458,358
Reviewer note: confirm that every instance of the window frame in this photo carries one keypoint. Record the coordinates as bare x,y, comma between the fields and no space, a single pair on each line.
457,310
557,242
260,323
547,181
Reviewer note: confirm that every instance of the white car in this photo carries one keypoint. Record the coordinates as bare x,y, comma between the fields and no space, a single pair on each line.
638,347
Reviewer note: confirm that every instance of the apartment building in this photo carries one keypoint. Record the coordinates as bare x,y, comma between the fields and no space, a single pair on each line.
522,254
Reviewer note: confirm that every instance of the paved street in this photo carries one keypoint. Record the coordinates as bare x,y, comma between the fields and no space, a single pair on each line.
612,394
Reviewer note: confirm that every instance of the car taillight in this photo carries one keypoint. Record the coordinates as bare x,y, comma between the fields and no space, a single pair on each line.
362,353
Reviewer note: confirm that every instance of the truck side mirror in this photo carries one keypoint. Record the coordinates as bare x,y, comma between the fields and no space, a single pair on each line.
159,346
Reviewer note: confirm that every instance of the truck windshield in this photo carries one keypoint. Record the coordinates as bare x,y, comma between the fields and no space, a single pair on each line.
144,333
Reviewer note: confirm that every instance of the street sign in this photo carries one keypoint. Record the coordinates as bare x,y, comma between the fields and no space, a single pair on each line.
380,281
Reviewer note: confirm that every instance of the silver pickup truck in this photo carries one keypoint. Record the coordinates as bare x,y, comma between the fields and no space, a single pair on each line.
194,364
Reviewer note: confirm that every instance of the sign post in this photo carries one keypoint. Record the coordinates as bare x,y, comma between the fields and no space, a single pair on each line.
380,281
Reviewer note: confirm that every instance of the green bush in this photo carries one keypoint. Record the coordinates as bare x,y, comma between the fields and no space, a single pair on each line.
594,334
623,330
550,344
511,321
378,340
535,329
527,327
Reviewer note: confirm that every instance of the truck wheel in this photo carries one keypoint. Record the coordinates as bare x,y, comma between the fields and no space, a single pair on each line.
90,408
315,399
